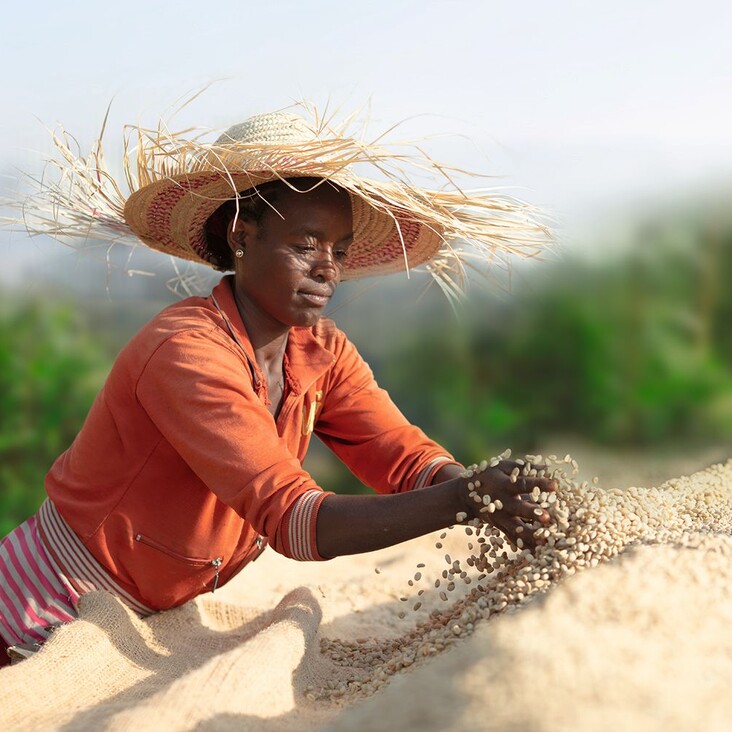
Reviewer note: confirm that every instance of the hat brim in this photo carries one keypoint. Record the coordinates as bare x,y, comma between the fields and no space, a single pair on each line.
170,214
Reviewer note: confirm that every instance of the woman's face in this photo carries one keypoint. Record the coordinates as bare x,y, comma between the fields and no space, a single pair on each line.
293,257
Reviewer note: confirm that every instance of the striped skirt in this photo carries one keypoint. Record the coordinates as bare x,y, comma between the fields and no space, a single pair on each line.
34,594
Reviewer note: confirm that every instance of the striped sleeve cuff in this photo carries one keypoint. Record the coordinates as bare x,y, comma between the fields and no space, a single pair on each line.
299,524
425,476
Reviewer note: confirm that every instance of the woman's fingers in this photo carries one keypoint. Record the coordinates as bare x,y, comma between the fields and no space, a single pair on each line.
527,484
508,466
492,479
514,529
507,525
545,483
516,520
527,510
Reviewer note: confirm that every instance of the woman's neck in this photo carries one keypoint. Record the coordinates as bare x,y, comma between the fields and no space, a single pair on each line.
268,338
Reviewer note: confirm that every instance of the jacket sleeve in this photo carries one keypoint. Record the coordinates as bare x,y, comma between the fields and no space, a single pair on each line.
364,428
198,392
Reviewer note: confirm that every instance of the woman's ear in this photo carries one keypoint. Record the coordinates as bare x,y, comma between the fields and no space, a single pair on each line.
238,232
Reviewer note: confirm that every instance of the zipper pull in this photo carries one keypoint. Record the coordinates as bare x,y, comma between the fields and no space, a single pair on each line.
216,563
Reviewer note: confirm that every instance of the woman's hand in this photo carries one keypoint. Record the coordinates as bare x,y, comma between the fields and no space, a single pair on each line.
354,524
501,495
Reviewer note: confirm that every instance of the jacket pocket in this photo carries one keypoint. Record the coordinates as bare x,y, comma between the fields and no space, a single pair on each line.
193,562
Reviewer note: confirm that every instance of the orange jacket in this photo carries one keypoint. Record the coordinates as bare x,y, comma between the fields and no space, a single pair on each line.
180,469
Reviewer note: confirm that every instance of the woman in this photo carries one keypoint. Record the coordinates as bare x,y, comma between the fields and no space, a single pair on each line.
190,460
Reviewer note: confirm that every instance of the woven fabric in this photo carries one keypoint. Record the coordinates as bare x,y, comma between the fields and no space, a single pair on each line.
201,662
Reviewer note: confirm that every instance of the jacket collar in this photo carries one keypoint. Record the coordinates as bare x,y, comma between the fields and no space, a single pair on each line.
306,360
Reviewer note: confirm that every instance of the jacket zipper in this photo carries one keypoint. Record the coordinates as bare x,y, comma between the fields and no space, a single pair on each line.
215,563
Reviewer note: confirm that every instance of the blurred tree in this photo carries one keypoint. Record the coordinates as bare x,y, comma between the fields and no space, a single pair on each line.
636,350
50,369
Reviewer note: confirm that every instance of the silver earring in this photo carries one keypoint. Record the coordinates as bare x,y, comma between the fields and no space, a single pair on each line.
239,253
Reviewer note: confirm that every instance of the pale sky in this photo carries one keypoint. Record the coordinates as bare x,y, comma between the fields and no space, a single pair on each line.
583,105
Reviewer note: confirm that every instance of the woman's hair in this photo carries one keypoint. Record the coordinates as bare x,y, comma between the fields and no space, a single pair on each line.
253,203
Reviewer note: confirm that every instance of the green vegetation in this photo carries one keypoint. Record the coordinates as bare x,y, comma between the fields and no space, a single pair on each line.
632,351
50,369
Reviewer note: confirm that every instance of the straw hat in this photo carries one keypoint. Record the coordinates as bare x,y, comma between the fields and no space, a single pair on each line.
176,183
170,214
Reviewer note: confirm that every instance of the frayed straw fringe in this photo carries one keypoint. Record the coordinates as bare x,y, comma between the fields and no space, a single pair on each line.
78,199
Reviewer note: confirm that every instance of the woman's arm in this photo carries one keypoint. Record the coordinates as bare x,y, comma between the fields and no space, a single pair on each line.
356,524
